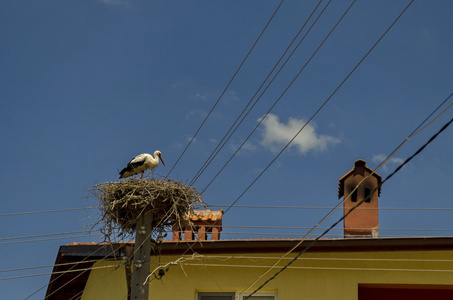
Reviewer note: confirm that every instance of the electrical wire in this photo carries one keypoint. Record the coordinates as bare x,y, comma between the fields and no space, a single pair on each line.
322,268
306,236
84,260
279,98
421,149
42,267
226,88
50,239
380,165
46,211
44,235
80,294
53,273
330,207
397,149
260,206
256,258
417,130
312,117
228,135
302,228
416,153
136,248
358,204
373,269
246,206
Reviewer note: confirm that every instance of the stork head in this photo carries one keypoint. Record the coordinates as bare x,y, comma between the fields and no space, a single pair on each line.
159,155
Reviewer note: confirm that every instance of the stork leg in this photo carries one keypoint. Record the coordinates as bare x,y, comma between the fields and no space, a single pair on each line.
141,176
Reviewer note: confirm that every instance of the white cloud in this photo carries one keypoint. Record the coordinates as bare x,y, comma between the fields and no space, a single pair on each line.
230,97
227,98
200,96
277,134
247,147
378,158
198,113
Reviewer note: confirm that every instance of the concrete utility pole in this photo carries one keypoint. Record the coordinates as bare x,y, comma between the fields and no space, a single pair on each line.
142,257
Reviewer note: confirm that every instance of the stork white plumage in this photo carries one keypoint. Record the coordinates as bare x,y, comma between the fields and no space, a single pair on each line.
141,163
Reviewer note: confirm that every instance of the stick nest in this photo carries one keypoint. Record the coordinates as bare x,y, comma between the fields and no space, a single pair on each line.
121,203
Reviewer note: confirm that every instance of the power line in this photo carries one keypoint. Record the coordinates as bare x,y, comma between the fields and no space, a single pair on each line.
278,99
330,207
222,206
226,88
223,232
225,139
303,228
380,165
308,247
352,209
419,150
312,117
263,206
79,294
410,136
48,266
136,248
88,269
415,132
50,239
85,259
46,211
445,126
240,206
416,153
321,268
52,273
305,236
45,235
254,258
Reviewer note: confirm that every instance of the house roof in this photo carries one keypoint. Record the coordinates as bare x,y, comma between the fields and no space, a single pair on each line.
85,254
360,163
267,246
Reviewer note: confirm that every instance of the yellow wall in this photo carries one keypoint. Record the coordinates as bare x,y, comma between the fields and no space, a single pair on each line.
315,276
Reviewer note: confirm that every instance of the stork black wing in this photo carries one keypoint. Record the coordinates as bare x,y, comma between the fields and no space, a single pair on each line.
134,163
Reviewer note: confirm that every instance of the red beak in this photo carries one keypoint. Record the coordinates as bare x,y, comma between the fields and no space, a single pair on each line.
160,156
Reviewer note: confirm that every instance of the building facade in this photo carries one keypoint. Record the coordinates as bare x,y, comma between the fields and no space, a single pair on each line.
400,268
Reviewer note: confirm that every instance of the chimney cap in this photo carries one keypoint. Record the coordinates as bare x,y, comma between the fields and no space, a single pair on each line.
358,163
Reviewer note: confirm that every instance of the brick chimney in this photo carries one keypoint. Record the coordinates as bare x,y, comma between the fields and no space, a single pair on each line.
202,223
363,221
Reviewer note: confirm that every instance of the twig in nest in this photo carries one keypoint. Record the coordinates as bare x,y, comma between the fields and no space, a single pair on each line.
122,202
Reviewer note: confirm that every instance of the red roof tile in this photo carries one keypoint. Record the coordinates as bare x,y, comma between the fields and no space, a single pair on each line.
206,215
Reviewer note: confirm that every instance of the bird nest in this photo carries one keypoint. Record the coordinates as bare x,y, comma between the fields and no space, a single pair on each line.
123,202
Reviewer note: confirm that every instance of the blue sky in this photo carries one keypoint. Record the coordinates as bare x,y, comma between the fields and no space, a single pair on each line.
87,85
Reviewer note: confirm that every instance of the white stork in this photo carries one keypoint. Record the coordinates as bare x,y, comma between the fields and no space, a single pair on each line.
141,163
